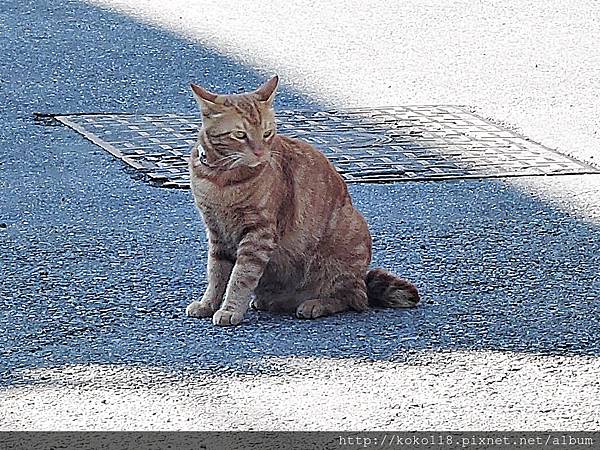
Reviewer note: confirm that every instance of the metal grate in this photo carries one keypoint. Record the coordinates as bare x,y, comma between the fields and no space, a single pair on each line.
365,145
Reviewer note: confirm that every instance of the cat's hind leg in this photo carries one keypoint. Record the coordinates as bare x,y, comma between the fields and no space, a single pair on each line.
349,293
321,307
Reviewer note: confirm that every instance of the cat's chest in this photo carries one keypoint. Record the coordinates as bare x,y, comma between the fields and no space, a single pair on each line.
229,220
224,222
230,212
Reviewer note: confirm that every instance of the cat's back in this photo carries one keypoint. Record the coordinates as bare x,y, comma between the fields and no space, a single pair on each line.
311,170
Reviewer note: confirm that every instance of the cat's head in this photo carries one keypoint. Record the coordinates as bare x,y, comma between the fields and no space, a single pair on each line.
238,130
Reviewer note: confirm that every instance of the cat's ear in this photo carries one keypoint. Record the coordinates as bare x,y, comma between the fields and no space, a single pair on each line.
209,103
266,93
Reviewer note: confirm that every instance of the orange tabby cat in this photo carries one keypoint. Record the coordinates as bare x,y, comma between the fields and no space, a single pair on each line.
282,231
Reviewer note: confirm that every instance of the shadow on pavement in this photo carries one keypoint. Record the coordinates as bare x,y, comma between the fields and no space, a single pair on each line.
98,267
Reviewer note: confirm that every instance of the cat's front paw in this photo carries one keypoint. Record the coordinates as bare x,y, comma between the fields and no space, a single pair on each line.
225,318
199,310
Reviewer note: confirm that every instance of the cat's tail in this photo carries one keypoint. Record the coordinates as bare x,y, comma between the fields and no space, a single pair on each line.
386,290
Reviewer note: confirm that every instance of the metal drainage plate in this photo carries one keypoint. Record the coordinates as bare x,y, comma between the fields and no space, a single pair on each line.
366,145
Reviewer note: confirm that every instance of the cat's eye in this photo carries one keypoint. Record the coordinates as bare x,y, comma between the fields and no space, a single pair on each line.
238,134
267,134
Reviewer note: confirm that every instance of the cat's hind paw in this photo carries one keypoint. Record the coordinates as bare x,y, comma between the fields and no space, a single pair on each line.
310,309
199,310
225,318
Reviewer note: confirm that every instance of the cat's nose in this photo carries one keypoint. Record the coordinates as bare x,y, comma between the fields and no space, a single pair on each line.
258,151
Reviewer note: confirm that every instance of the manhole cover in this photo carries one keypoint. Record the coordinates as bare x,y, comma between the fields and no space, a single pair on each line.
365,145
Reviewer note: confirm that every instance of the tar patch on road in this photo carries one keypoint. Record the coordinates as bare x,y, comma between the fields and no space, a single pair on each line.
401,143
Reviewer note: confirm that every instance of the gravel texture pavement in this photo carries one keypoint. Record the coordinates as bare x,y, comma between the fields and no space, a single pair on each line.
97,266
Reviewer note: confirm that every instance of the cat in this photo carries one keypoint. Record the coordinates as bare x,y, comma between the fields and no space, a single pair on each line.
283,234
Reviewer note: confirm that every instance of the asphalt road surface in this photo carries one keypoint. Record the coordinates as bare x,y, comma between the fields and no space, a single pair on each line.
97,266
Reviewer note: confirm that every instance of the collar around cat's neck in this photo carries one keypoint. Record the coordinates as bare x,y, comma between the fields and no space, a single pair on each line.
205,163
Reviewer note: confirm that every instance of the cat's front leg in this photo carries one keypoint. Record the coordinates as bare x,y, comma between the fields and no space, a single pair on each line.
218,270
253,254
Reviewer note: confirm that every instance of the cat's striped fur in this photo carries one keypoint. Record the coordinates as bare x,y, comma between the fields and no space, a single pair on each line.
281,227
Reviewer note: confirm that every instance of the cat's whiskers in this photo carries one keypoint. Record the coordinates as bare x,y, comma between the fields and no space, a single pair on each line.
228,160
245,160
236,162
227,157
